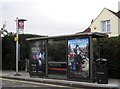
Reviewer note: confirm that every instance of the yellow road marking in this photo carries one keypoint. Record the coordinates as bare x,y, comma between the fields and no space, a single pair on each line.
35,86
13,82
44,84
33,83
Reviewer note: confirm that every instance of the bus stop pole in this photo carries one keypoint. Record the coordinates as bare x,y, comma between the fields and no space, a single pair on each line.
17,74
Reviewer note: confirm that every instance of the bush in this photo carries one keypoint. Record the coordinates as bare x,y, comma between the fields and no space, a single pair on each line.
110,50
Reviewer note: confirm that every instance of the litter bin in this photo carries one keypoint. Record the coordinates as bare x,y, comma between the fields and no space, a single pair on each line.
102,71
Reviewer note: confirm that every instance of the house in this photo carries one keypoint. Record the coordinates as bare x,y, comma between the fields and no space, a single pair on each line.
107,22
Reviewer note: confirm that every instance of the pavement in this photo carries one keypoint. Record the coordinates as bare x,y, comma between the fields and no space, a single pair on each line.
112,83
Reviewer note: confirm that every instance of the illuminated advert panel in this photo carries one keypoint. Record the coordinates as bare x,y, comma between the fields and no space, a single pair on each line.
37,60
78,59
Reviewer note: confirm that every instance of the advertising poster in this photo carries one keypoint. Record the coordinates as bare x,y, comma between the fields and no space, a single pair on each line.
78,57
38,56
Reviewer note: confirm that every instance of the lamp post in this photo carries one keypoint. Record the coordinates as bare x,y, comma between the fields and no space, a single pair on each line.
3,32
19,25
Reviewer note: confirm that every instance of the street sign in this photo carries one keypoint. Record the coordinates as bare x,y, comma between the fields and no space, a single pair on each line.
20,26
15,39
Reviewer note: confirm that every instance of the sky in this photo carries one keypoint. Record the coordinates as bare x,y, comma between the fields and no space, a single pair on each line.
53,17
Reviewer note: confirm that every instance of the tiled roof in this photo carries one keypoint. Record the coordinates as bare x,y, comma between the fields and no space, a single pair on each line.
86,30
118,14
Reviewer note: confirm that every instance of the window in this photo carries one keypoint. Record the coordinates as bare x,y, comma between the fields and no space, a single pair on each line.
106,26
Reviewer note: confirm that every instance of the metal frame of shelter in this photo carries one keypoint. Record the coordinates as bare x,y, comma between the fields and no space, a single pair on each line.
90,36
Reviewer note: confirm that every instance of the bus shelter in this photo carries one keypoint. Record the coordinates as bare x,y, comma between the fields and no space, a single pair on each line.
63,57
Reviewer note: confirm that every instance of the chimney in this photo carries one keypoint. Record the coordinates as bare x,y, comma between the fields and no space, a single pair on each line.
92,21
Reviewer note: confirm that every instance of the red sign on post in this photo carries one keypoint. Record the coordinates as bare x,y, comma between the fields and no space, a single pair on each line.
20,24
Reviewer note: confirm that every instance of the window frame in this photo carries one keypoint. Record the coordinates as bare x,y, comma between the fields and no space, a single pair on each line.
105,26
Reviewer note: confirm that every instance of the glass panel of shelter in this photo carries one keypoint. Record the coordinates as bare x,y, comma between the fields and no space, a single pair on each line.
57,63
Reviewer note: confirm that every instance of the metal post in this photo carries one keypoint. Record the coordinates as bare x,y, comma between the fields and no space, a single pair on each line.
0,52
0,58
1,32
99,47
46,58
91,58
17,74
26,66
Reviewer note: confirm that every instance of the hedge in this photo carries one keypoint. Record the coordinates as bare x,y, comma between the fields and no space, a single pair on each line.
110,50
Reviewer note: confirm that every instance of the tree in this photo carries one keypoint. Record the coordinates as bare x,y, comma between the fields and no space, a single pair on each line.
8,50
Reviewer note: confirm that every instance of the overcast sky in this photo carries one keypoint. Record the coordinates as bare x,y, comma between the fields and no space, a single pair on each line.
53,17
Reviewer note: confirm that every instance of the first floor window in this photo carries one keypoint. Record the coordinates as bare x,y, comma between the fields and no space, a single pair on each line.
105,26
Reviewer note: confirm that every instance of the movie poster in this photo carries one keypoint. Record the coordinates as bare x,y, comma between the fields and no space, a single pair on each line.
78,57
38,56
